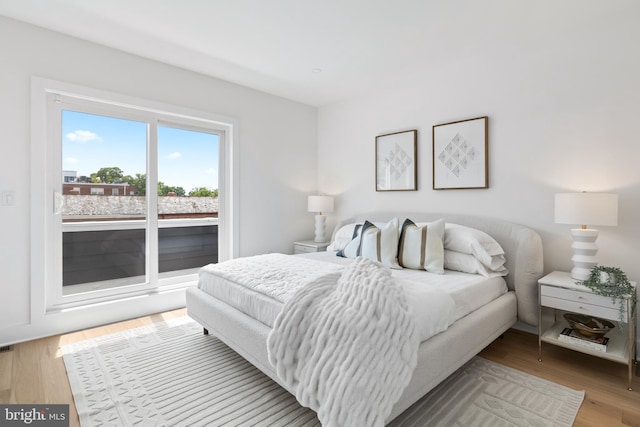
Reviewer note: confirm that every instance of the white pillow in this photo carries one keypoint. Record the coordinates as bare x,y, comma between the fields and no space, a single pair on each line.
351,250
381,244
346,234
421,247
343,236
474,242
466,263
497,263
378,243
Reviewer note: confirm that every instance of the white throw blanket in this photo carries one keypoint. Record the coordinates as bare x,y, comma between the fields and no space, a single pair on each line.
347,345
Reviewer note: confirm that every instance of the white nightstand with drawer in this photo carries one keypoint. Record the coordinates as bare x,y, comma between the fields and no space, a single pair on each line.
307,246
557,290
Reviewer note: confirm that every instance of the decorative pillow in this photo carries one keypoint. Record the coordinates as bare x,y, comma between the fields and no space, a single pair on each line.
352,248
343,236
467,263
378,243
420,246
346,234
474,242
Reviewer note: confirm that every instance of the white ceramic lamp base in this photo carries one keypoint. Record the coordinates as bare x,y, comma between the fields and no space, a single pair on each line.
584,252
321,229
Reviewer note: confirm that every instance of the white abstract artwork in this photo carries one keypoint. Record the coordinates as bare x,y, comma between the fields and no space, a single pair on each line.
396,161
460,154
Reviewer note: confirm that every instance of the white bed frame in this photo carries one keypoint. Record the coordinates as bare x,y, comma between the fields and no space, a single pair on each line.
439,356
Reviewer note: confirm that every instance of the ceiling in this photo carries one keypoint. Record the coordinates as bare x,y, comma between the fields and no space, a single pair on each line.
316,52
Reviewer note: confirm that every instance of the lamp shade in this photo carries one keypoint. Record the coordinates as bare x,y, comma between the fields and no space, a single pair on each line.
586,208
320,204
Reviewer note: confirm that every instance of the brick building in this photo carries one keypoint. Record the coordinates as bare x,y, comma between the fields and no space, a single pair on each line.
98,189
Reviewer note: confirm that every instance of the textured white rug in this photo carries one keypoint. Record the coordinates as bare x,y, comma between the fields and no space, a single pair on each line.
171,374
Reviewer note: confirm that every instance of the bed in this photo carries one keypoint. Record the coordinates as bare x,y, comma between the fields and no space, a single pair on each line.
246,331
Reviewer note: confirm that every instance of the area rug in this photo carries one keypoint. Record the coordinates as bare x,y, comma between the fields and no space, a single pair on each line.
170,374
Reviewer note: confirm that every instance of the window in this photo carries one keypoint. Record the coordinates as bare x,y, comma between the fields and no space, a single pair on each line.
174,167
69,176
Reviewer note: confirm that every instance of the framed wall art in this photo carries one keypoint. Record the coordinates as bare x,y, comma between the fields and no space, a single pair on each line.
396,167
460,154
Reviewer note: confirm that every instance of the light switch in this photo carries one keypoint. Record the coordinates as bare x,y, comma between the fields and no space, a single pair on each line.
8,198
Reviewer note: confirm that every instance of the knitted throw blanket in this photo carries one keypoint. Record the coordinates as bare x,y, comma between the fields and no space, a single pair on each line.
347,345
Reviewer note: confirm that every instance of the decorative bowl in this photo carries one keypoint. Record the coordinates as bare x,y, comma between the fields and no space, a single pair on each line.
588,326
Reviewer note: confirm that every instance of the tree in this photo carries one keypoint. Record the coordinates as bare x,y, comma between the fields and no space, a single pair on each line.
203,192
139,181
108,175
164,190
115,174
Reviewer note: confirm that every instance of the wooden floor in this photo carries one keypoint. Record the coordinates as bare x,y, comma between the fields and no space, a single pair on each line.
34,372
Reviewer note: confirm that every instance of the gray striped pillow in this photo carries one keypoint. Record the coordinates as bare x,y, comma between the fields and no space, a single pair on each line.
420,247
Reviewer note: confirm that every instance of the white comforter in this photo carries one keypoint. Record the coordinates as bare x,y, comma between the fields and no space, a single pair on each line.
347,344
276,275
279,276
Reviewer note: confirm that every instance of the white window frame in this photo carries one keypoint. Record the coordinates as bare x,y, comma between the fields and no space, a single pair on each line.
46,229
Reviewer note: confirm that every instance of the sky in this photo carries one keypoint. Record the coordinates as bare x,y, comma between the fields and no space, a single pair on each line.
186,158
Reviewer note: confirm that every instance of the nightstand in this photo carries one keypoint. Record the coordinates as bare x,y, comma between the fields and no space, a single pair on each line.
559,291
307,246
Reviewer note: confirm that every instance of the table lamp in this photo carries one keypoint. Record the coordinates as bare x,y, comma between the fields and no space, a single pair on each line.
320,204
585,208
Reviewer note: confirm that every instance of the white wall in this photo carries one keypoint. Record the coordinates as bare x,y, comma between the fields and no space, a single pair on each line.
277,148
562,93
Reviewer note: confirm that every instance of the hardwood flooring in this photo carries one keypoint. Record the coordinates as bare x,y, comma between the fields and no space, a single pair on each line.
607,401
33,372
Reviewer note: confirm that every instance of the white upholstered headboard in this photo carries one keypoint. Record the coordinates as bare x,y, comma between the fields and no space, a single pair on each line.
522,246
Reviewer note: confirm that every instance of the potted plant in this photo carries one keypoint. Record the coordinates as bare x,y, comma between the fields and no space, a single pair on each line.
612,282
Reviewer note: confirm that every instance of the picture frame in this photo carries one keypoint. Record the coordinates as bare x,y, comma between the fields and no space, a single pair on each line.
396,164
460,154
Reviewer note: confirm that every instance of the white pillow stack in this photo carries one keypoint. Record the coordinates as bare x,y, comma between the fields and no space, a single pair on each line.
472,251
